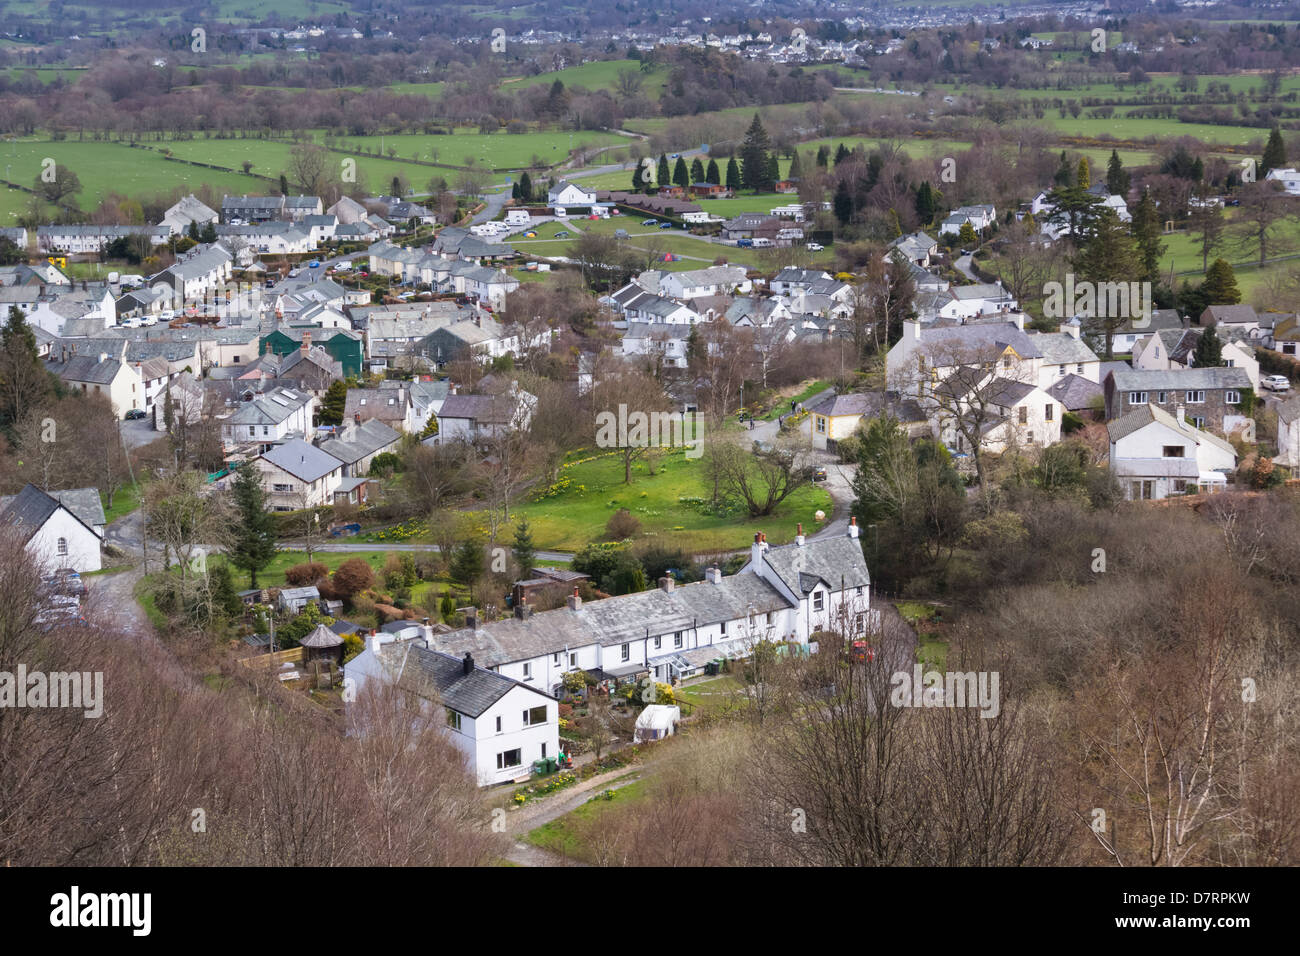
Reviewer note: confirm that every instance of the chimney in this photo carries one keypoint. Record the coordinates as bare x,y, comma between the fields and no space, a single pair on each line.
575,600
467,665
356,417
471,618
853,527
798,537
756,553
306,342
523,611
373,642
713,575
1069,328
103,356
1181,413
667,583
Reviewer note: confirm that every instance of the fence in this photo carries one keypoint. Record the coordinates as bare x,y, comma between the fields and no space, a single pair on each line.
293,655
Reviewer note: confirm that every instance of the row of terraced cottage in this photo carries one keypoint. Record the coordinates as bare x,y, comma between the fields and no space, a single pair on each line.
498,681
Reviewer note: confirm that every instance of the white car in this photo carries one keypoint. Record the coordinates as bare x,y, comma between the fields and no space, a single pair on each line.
814,247
1276,383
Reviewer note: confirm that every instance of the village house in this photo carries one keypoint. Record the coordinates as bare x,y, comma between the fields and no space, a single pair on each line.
59,529
188,210
1176,349
101,373
501,725
1212,396
277,416
298,475
357,444
475,418
1154,454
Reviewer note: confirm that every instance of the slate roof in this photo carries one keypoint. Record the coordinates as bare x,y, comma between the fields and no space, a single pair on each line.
87,368
982,335
267,410
362,440
1229,315
485,409
1074,391
422,670
833,560
28,510
1180,378
1062,348
321,636
85,504
1139,418
303,461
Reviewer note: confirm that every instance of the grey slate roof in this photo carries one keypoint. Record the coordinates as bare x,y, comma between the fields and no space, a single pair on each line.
1074,391
1181,378
28,510
471,694
1062,348
1139,418
321,636
303,461
85,504
362,440
833,560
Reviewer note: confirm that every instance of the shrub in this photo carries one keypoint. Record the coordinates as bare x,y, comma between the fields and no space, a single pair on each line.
622,525
301,575
566,711
352,577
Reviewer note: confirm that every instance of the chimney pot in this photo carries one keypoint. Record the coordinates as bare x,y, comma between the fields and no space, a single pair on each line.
575,600
853,527
467,665
471,617
667,583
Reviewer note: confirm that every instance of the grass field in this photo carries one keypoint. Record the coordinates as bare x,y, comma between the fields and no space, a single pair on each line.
568,835
500,150
576,515
602,75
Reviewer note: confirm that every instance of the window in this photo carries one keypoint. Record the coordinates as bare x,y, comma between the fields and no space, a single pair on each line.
1198,421
1232,397
535,715
821,425
265,431
1060,370
677,639
543,750
1024,415
1288,348
573,660
659,642
285,488
1173,451
723,629
1162,397
555,658
625,652
528,670
252,431
1078,369
819,600
63,547
1048,412
1196,397
453,719
511,758
498,725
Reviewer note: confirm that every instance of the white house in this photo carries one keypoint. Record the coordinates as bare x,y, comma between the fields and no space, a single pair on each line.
565,194
1289,178
188,210
1288,433
55,534
501,725
1154,454
1176,349
278,415
980,218
297,475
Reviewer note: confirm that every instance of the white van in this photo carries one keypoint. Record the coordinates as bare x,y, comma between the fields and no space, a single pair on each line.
762,243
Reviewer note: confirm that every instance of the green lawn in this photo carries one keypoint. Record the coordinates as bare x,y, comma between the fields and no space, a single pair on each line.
783,406
593,490
602,75
717,695
567,835
126,500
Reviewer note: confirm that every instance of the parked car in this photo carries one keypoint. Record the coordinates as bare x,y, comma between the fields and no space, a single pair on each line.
819,474
135,414
562,234
294,273
665,225
745,243
1276,383
149,320
66,586
649,222
814,247
314,264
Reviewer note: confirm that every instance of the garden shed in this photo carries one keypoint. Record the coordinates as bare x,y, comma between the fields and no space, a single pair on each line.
656,722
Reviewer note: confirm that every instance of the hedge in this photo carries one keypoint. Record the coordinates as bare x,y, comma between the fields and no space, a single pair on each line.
1275,363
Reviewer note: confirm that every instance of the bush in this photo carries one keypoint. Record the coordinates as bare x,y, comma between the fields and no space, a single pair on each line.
301,575
352,577
622,525
385,464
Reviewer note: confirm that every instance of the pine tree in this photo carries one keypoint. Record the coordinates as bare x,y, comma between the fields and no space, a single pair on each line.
526,187
334,402
755,172
23,380
925,203
1209,350
514,191
524,550
1111,254
663,176
467,563
1220,285
697,170
842,204
193,230
1063,173
209,233
254,532
1117,178
681,175
773,169
711,175
733,174
823,156
284,185
1146,230
841,153
1083,174
796,168
1274,152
